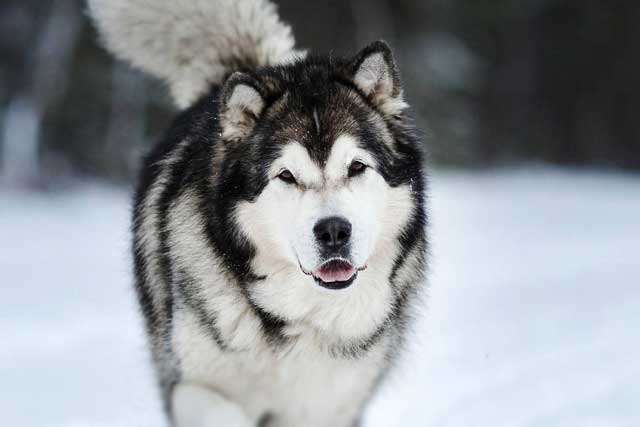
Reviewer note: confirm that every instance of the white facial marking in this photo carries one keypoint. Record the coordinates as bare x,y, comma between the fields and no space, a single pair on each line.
295,159
280,223
345,150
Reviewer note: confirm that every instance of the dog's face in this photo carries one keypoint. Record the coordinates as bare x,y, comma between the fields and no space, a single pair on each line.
332,212
337,187
324,219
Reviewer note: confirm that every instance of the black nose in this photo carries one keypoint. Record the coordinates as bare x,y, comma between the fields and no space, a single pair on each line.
332,232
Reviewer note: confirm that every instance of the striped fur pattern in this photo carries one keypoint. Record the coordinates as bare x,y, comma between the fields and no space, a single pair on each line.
243,327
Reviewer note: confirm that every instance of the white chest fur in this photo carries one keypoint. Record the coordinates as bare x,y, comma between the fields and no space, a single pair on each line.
298,385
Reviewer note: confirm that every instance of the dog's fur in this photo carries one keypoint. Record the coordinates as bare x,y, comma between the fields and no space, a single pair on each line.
242,329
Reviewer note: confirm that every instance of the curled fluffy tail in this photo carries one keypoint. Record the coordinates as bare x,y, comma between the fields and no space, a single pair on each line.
192,44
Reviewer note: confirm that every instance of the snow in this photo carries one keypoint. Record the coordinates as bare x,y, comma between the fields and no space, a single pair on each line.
530,319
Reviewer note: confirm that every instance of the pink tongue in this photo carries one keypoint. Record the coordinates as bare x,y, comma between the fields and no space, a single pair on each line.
335,271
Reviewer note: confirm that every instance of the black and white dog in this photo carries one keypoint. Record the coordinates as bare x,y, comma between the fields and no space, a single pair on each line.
279,229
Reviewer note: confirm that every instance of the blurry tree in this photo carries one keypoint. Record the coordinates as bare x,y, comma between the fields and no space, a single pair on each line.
561,82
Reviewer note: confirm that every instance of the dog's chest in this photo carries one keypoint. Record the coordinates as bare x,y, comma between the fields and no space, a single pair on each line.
299,386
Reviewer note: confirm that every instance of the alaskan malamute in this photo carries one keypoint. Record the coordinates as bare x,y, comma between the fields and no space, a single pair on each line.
279,228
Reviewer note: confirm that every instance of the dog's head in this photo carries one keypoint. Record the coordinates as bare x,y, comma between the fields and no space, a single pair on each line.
327,178
307,176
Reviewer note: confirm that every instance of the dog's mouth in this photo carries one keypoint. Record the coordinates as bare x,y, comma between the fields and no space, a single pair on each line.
336,273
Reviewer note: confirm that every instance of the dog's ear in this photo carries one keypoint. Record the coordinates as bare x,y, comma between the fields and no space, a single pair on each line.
374,72
242,103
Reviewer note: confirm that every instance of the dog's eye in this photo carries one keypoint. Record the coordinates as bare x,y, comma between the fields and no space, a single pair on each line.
287,177
356,168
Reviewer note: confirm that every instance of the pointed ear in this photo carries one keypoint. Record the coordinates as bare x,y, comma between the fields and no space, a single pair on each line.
375,74
241,105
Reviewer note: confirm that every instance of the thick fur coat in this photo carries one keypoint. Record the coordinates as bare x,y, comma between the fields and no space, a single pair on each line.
279,228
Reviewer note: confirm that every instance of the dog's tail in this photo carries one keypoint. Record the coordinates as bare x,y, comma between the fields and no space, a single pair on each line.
192,44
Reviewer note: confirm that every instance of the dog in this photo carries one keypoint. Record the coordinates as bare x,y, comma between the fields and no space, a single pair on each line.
279,229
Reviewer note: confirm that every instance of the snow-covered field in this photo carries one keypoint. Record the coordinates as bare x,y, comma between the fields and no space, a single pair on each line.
532,315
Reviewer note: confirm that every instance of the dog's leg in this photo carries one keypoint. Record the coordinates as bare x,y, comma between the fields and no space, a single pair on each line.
196,406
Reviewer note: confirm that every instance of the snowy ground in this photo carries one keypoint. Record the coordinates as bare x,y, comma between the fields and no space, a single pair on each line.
532,318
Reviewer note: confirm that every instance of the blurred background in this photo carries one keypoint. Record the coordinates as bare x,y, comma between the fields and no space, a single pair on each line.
494,82
530,112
